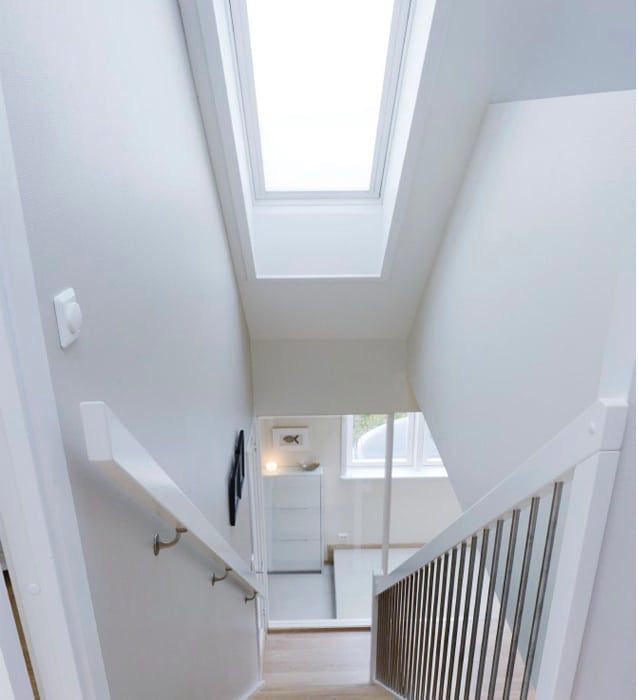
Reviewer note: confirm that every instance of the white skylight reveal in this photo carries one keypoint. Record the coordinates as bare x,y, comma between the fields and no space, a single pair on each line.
318,81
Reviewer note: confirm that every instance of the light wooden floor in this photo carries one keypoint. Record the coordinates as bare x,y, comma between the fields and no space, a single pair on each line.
318,665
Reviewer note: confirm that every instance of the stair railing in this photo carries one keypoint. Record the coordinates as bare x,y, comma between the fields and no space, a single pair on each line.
110,445
496,605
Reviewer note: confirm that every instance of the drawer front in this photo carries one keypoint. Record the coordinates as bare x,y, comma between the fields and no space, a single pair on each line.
295,555
295,524
296,492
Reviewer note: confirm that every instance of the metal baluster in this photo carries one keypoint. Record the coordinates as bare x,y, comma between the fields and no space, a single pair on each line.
466,614
457,612
542,587
382,637
377,656
408,672
448,624
424,630
400,637
477,611
404,626
441,615
491,592
407,626
414,651
387,643
393,635
397,683
397,637
406,634
432,629
520,598
414,637
504,596
397,660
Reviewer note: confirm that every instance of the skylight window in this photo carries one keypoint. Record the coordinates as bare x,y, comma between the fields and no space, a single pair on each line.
318,81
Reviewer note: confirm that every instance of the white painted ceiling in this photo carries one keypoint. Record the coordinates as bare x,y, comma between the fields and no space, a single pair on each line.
487,51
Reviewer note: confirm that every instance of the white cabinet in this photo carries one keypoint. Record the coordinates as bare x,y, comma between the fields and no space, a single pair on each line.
293,520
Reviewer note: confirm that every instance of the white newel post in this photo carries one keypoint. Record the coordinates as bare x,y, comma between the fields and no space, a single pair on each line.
387,492
374,623
586,515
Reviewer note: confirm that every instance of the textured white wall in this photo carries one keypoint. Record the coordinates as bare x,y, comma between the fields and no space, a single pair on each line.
421,508
510,341
119,202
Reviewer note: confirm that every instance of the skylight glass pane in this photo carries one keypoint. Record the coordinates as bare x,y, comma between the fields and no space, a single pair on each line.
318,68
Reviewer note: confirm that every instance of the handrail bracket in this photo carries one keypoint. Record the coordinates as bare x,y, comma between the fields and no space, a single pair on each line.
158,544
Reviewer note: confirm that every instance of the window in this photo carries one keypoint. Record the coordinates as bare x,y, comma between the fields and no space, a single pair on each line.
364,441
318,81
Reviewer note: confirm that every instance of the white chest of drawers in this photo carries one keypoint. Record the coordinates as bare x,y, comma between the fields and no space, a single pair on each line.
293,520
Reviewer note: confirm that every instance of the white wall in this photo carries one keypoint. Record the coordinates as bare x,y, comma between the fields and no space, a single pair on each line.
529,317
329,377
421,507
119,202
509,342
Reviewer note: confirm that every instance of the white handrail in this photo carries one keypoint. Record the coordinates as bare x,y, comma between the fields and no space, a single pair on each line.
585,454
111,445
599,428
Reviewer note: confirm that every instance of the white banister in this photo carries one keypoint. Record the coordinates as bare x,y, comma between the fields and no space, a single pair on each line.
119,454
440,622
599,428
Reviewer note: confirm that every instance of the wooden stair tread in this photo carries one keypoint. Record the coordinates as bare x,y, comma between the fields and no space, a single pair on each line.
323,692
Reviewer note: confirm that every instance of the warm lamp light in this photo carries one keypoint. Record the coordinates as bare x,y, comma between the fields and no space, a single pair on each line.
271,466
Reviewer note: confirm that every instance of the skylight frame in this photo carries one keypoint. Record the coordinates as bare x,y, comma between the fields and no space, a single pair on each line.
246,84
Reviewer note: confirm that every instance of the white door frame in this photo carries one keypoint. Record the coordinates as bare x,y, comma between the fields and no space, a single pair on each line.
41,538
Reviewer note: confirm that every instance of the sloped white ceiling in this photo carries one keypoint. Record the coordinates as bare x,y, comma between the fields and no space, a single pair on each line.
488,51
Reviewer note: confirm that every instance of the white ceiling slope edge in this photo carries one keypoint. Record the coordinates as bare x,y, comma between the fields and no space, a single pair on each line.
477,53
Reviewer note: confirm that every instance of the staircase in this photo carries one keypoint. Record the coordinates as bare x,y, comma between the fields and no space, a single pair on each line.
496,605
373,692
318,665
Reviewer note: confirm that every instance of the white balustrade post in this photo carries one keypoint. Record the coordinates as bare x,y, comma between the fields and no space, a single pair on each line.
374,625
587,508
387,492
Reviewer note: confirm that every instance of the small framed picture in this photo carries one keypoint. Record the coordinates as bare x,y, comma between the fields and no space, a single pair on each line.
291,439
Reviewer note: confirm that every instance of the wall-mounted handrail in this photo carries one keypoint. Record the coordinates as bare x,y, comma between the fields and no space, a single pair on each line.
437,597
113,447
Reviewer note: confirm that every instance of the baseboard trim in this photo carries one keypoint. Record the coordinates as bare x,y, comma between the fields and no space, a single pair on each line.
388,690
275,626
329,560
250,693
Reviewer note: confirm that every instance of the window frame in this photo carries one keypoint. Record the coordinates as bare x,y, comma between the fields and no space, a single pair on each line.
246,86
414,466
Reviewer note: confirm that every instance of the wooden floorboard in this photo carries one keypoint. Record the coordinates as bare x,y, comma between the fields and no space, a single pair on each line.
318,665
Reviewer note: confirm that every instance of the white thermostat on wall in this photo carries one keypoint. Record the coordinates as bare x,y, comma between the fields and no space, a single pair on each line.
69,316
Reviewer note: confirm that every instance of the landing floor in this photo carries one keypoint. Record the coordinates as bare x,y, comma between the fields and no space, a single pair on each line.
318,665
